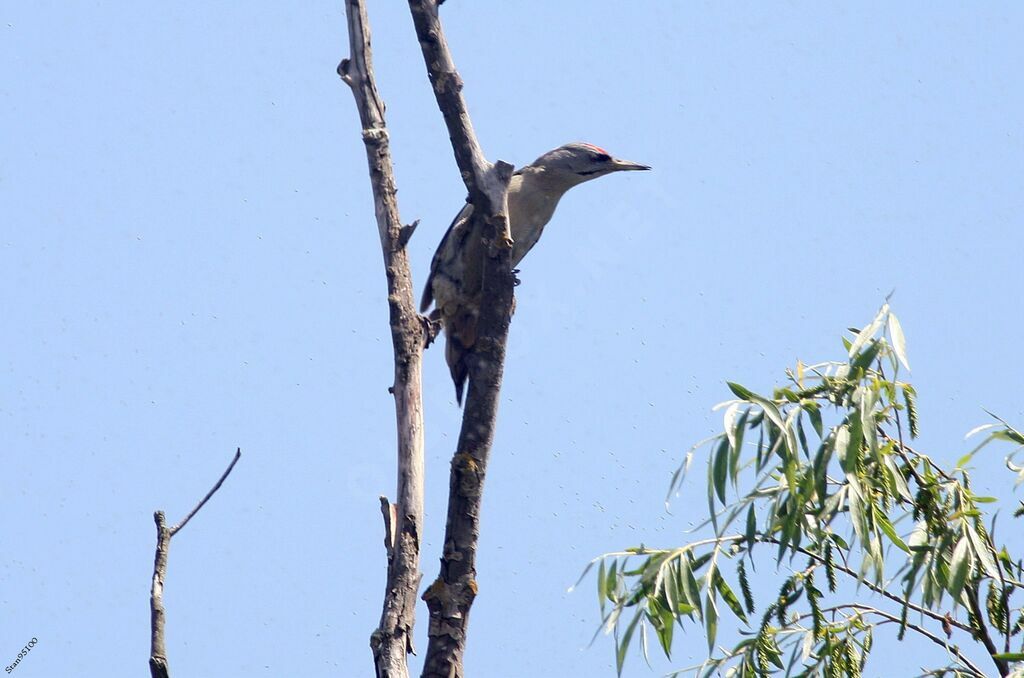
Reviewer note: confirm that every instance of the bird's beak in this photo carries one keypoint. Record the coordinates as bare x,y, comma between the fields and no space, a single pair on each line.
627,165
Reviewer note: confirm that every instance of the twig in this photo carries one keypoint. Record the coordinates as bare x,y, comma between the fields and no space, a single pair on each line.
220,481
158,667
391,642
971,594
874,587
890,618
935,467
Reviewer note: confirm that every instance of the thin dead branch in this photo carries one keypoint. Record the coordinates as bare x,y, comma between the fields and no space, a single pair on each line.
158,667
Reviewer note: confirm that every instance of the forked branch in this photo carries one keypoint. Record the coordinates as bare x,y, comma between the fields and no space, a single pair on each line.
158,667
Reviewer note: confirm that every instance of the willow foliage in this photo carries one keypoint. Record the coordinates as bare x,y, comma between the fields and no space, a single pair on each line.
822,478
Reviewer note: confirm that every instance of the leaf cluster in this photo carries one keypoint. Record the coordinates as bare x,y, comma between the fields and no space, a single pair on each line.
821,476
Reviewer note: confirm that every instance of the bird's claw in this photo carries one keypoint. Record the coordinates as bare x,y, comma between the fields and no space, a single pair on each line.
431,328
515,278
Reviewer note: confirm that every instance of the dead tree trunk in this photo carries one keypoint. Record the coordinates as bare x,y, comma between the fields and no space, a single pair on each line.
451,595
392,640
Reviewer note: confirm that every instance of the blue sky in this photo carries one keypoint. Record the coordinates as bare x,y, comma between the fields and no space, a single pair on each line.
189,263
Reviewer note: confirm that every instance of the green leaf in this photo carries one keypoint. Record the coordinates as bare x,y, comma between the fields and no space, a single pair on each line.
1010,434
611,581
839,541
896,480
868,333
729,423
620,654
842,445
713,515
887,528
665,583
855,503
787,394
740,391
856,437
734,458
978,429
602,585
814,412
981,550
868,399
899,342
867,356
689,585
665,630
729,597
802,437
1009,656
721,469
770,409
959,567
751,530
700,561
710,618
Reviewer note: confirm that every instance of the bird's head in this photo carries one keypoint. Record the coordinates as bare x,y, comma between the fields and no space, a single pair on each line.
578,162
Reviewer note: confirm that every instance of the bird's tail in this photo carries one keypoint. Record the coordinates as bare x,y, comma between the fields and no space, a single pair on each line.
460,336
456,354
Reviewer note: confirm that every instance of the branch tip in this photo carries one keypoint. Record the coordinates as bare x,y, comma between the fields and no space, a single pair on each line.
220,481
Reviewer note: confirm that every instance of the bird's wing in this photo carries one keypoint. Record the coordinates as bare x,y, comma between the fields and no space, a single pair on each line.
456,232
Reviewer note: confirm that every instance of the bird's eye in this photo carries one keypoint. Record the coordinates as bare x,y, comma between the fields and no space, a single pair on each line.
602,157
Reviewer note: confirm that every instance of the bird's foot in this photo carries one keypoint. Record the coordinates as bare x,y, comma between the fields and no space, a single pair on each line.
431,328
516,282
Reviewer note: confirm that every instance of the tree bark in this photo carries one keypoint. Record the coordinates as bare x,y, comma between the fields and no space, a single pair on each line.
392,641
158,667
451,595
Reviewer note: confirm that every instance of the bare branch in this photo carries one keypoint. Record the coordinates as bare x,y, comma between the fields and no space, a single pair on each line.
451,595
220,481
158,667
392,641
